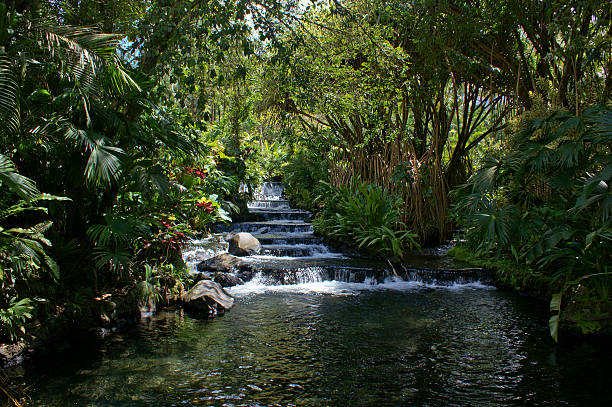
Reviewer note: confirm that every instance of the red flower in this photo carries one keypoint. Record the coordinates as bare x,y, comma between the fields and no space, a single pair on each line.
208,206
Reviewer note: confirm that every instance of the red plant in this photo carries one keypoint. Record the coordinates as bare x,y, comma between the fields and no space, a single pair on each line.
208,206
199,172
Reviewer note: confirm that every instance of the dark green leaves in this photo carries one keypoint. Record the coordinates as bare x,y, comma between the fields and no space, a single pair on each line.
368,215
9,98
22,186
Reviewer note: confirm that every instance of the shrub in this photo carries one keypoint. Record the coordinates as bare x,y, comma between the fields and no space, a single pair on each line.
547,203
368,216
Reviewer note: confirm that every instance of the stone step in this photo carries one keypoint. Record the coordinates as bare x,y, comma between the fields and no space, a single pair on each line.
263,214
299,250
327,271
270,190
274,239
333,260
269,204
300,275
274,227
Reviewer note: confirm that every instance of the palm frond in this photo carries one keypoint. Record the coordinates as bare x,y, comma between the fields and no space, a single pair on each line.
9,97
22,186
115,259
30,205
83,48
117,231
121,80
601,120
85,53
150,178
596,190
104,165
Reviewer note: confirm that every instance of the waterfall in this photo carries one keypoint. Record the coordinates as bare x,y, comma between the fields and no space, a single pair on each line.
294,257
269,191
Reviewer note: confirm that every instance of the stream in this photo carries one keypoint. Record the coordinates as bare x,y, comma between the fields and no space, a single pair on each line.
316,327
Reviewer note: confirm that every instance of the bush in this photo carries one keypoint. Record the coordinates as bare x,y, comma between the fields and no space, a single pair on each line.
367,216
302,176
547,204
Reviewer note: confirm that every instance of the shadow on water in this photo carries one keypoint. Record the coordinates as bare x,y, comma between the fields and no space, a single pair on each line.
424,346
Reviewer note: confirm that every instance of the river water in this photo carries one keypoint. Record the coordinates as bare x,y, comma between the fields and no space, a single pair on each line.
337,344
314,327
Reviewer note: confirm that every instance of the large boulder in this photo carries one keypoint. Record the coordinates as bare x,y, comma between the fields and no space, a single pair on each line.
243,244
208,297
227,279
221,262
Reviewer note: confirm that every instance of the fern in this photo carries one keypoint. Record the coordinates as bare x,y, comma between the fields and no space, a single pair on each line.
367,215
13,318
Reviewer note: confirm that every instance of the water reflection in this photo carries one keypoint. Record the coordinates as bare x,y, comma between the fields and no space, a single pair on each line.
434,347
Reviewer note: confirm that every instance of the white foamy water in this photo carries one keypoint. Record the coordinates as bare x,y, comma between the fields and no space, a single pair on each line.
198,250
305,265
325,255
269,191
316,247
259,285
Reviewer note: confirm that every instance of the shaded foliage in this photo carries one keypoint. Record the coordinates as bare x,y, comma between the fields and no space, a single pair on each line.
546,202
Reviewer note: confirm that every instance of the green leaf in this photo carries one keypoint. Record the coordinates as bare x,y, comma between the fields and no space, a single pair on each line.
553,324
40,95
555,303
22,186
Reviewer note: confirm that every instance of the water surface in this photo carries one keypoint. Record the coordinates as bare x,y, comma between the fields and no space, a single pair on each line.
337,344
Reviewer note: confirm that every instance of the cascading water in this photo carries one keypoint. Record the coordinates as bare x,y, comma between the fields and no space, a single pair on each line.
203,249
269,191
293,257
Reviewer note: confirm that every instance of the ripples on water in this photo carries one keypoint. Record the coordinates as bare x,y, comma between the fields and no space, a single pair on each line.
336,344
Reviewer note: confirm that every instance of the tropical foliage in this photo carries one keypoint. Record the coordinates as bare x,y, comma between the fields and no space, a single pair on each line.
415,97
132,179
126,127
23,256
366,216
546,202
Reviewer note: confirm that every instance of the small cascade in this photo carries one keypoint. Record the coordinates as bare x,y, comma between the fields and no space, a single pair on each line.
294,250
286,227
269,204
284,232
292,255
201,249
367,275
269,191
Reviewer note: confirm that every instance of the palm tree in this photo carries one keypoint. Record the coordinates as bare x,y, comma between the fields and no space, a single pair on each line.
81,59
